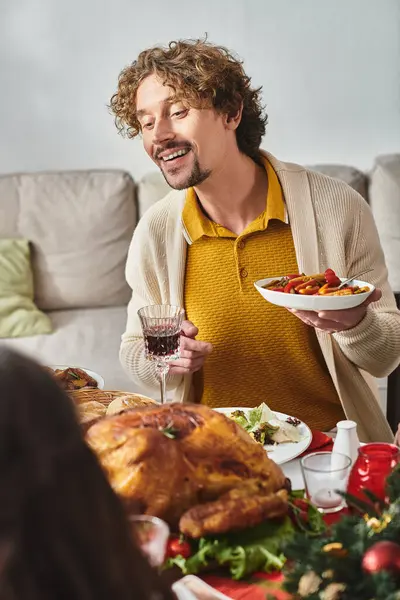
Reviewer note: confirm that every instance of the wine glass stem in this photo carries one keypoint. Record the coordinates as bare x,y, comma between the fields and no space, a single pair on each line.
162,370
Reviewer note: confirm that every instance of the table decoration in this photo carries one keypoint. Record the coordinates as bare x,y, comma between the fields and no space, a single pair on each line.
325,473
357,558
374,463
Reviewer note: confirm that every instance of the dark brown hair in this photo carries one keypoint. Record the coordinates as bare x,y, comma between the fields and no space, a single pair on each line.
63,532
202,74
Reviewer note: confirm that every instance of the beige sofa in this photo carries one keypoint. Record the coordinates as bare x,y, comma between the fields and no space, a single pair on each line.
80,224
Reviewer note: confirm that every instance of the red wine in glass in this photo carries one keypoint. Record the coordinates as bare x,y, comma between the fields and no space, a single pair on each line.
162,342
161,327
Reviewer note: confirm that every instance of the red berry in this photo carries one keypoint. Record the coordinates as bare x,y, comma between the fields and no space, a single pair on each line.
176,547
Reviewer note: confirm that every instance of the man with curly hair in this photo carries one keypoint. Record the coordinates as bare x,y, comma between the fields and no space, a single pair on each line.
236,214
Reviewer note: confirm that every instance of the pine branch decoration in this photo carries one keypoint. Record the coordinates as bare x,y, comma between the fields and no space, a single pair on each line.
340,574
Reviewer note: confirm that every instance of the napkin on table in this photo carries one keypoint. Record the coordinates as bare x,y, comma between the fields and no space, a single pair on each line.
320,441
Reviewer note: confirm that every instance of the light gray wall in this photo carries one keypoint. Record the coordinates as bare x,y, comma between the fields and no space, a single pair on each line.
330,71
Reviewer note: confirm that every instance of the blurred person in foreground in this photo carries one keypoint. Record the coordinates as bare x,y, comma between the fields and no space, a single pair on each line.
63,531
238,214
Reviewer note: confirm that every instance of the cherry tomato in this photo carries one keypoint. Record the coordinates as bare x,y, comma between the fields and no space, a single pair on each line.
176,547
331,278
300,504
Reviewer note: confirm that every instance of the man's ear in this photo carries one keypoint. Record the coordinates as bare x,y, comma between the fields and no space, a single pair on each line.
233,118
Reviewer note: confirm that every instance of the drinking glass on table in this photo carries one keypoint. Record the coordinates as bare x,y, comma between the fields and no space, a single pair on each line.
151,535
324,474
161,326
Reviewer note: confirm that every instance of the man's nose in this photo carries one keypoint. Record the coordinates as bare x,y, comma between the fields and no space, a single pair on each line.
162,133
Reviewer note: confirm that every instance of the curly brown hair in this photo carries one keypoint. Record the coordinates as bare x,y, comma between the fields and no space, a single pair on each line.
202,74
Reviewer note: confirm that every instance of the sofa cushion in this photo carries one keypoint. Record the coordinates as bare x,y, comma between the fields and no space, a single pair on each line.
385,205
83,337
353,177
80,224
151,188
9,206
18,314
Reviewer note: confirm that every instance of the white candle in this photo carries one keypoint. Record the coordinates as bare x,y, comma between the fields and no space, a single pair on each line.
326,498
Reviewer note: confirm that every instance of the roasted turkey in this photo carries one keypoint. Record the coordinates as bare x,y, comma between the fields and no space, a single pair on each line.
191,465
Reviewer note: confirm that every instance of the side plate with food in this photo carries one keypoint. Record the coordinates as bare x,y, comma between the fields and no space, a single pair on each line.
75,378
284,437
314,292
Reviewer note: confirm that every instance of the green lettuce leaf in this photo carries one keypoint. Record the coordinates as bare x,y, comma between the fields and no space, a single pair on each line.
240,419
244,552
204,555
261,414
316,520
298,493
243,561
254,416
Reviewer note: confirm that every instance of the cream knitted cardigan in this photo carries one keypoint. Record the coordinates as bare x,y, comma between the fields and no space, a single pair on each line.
332,226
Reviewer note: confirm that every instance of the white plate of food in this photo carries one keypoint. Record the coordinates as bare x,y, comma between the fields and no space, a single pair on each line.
314,292
289,439
75,379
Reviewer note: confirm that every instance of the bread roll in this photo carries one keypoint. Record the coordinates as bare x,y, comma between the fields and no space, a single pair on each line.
126,402
88,411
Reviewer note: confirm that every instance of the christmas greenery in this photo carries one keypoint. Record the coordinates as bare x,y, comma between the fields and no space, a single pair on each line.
348,561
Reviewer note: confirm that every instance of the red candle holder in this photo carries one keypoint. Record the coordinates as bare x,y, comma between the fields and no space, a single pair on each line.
373,465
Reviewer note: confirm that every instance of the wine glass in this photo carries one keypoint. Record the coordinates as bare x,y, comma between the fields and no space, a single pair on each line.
161,326
151,534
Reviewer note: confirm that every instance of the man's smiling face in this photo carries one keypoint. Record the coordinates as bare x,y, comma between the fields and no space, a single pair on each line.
186,143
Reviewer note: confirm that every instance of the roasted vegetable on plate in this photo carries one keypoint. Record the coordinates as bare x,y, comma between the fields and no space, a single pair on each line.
322,284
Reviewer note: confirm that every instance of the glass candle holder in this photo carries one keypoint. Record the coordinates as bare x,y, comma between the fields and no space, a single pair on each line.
326,473
373,465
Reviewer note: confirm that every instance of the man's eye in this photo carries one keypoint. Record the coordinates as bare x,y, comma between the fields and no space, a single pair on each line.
147,125
180,113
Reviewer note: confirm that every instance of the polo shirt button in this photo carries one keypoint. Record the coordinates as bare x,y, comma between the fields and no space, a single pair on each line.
243,273
241,244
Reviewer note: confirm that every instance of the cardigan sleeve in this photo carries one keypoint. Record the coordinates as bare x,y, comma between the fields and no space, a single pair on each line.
374,344
147,275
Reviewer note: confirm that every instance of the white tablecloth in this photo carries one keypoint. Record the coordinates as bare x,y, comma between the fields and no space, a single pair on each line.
292,470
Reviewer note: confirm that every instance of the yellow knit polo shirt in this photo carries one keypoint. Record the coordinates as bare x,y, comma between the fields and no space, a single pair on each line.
261,352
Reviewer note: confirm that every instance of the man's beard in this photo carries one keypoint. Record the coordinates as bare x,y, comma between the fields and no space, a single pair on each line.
196,177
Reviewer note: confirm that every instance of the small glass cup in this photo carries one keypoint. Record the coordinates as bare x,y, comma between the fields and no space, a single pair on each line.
151,535
324,474
161,326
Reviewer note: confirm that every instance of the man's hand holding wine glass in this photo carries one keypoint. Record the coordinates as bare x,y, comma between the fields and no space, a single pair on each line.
192,352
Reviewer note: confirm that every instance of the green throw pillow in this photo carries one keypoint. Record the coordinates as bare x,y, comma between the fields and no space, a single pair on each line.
19,316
